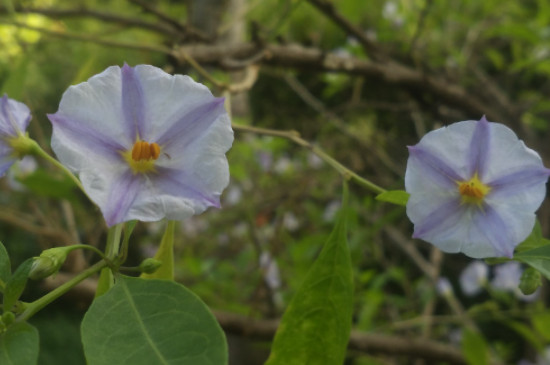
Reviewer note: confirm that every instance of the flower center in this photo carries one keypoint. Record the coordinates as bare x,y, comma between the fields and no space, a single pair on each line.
142,156
473,190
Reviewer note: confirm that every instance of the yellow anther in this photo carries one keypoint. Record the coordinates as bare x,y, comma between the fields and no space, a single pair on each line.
142,156
473,190
145,151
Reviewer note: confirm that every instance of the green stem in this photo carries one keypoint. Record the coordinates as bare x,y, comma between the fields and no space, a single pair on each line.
38,151
87,247
112,247
294,136
32,308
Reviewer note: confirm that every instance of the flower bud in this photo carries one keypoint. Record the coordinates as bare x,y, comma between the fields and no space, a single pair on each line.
149,265
530,281
49,262
8,318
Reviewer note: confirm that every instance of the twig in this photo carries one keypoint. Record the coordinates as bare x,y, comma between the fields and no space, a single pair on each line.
88,38
190,31
294,136
328,9
98,15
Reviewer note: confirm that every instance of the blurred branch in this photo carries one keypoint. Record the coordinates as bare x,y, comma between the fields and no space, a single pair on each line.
294,136
313,59
88,38
370,46
82,12
185,28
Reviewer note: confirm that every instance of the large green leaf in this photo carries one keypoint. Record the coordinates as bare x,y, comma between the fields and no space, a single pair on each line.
16,284
316,326
538,258
5,267
19,345
149,322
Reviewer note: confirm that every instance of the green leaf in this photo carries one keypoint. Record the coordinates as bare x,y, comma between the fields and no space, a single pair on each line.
537,258
19,345
165,254
474,348
5,267
398,197
534,240
316,326
16,284
151,322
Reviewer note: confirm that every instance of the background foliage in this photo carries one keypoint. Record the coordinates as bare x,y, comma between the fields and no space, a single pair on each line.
383,74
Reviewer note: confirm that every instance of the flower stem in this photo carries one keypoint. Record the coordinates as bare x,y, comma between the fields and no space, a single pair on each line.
295,137
38,151
112,247
32,308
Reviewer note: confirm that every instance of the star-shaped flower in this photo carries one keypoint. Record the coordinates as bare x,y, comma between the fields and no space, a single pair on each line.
474,188
146,145
14,120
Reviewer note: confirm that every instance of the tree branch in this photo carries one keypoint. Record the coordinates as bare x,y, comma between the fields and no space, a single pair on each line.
313,59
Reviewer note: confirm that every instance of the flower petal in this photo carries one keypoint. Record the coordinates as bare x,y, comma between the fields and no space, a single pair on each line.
479,149
14,117
426,171
496,231
132,102
96,107
436,222
123,193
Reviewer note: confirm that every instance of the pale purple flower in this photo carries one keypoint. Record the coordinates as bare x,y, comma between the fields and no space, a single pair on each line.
146,145
474,188
14,120
474,277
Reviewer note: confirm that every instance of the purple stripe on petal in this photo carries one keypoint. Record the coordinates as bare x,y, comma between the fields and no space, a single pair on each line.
192,124
519,181
87,137
121,197
132,103
6,125
443,217
479,148
434,167
177,183
495,230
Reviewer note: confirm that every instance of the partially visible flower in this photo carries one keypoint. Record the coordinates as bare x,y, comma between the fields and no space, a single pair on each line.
507,278
146,145
474,277
330,210
14,120
444,287
474,188
270,270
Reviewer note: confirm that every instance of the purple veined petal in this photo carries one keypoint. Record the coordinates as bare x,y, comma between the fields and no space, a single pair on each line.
479,148
123,193
441,219
518,181
14,116
496,231
192,124
132,103
5,164
178,183
79,133
434,168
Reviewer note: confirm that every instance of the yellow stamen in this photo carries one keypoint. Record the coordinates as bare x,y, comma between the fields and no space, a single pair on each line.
142,156
473,190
